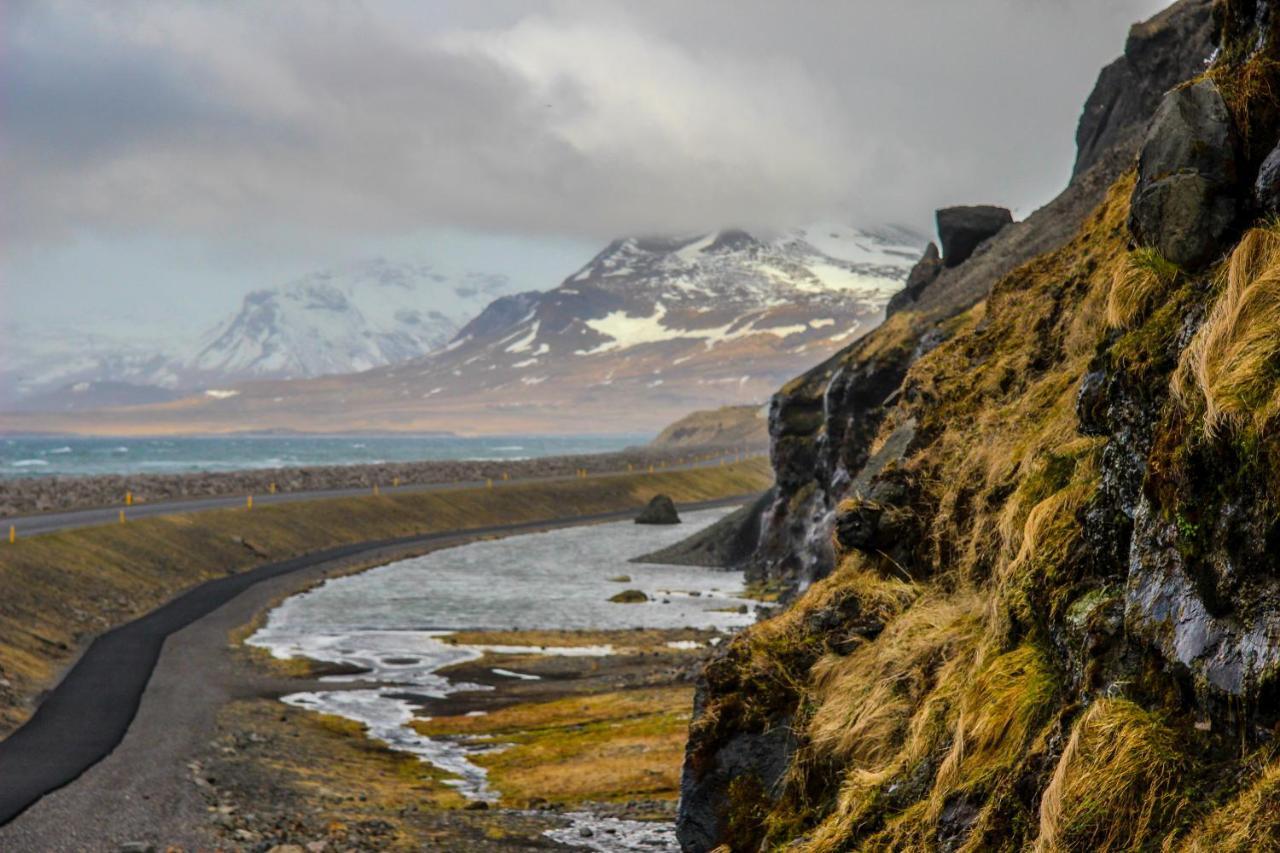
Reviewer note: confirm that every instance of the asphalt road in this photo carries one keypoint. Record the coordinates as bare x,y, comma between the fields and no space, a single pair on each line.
89,712
48,522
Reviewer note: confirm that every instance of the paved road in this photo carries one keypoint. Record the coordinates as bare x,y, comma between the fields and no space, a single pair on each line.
88,714
48,522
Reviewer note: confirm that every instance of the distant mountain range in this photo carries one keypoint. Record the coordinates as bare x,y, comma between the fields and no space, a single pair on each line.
648,329
342,320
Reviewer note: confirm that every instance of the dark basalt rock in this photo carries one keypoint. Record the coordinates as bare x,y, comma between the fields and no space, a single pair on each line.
1185,202
963,229
727,544
1266,189
1158,55
753,757
923,274
661,510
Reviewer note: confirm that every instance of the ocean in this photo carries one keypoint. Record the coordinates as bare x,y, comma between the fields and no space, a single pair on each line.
46,456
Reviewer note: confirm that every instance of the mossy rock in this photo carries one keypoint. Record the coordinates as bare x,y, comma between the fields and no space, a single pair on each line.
629,596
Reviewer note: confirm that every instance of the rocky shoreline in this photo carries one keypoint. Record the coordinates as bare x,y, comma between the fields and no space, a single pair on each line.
46,494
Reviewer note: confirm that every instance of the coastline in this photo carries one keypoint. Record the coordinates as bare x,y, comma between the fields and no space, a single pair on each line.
204,691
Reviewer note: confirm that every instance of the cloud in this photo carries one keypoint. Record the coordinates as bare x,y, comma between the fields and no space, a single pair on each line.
294,119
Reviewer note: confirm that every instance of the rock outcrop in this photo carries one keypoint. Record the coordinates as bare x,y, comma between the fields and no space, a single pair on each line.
1185,201
963,229
1160,53
660,510
1034,543
923,274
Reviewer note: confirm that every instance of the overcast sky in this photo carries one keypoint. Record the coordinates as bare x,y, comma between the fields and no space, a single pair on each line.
160,159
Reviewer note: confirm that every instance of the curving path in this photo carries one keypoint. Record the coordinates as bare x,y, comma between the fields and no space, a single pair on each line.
90,711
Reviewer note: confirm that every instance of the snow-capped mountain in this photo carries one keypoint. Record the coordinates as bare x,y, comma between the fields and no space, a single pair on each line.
690,299
648,330
342,321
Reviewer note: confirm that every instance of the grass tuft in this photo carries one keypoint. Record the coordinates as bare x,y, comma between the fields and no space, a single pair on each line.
1232,366
1116,783
1140,277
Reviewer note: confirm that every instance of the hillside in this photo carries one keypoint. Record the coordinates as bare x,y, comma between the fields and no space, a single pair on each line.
1028,526
728,426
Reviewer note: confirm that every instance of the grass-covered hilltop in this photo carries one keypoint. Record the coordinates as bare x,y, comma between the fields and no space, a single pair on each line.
1031,525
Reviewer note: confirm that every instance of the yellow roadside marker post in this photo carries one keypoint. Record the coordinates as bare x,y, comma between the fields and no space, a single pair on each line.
128,498
248,502
272,487
13,534
122,516
488,484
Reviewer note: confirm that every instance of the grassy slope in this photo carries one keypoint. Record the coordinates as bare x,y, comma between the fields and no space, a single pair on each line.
961,713
62,589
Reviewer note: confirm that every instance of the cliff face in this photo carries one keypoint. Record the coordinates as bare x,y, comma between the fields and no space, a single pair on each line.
822,423
1036,538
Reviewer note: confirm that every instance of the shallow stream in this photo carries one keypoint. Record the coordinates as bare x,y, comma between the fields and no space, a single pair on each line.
389,622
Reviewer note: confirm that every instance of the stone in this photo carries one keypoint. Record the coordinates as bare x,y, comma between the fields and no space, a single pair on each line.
629,596
1185,201
137,847
661,510
1266,189
476,806
963,229
921,276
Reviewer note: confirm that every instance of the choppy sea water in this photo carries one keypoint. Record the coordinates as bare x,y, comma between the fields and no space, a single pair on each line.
72,456
390,621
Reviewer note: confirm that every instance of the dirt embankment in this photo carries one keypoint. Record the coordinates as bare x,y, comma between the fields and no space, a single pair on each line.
44,494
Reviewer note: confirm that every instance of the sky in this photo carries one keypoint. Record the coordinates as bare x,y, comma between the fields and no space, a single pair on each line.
160,159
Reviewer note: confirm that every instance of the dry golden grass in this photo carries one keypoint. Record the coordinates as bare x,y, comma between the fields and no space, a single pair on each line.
1232,367
61,589
998,715
1140,277
605,747
1116,782
867,699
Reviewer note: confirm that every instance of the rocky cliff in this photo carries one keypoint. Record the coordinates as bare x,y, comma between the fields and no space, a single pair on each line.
1032,522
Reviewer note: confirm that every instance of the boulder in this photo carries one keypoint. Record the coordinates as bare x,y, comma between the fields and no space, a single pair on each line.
921,276
629,596
1185,201
963,229
661,510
